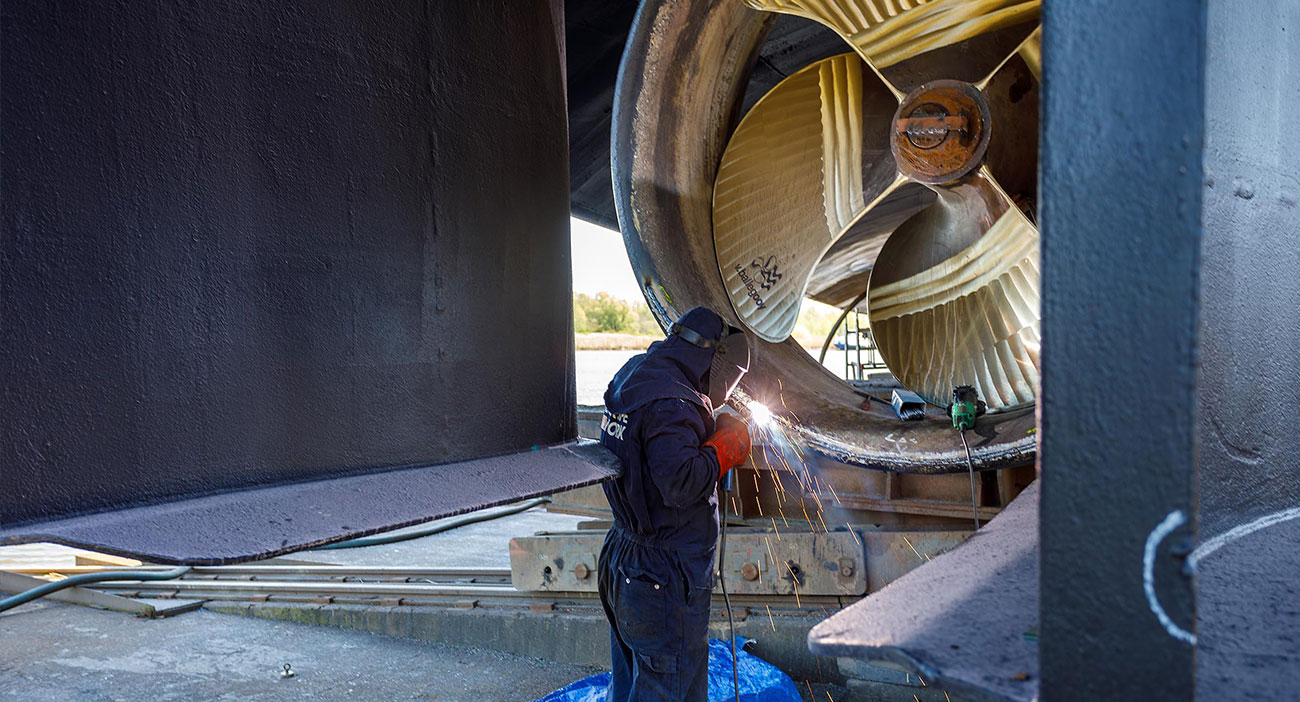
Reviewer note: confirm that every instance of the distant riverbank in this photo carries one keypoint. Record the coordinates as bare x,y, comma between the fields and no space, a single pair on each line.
596,366
606,341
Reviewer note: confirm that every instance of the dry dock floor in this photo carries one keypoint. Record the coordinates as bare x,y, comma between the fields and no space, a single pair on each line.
58,652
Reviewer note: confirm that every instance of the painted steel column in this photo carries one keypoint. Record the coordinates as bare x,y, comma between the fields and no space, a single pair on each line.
248,244
1121,186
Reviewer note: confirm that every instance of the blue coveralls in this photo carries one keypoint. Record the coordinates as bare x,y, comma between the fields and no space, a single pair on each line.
656,567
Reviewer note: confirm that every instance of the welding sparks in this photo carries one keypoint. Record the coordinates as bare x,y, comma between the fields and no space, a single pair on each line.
918,553
770,619
760,414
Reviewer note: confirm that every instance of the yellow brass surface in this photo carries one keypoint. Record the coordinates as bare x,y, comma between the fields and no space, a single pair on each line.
791,182
953,298
1032,52
887,32
970,319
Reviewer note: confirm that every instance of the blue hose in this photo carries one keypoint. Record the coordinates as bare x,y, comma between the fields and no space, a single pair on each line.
9,603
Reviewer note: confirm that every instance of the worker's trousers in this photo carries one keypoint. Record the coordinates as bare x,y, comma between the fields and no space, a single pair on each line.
659,624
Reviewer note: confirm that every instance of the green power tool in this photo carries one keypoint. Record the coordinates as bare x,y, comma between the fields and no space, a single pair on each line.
966,406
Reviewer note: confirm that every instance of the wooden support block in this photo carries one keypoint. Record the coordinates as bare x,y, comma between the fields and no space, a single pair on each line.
15,583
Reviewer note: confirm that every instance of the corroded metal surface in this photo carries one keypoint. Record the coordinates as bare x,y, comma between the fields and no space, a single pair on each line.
758,562
941,132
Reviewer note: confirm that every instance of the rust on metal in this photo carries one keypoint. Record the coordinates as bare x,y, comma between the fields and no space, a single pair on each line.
941,131
929,126
813,561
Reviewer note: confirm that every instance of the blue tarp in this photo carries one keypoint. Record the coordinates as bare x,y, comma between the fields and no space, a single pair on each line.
760,681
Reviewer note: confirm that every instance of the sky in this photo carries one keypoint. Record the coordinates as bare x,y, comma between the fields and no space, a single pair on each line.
600,262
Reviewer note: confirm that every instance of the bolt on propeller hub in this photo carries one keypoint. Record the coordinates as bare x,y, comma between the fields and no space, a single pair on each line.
941,131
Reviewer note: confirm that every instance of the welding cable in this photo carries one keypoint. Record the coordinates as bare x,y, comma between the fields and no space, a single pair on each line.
86,578
724,487
438,527
970,464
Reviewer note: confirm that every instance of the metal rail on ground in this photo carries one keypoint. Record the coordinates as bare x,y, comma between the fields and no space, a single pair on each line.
384,586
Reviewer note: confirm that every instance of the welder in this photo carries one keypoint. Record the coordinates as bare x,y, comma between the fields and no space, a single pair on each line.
656,567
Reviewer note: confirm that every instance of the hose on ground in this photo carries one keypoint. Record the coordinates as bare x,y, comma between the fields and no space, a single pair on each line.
88,578
438,527
9,603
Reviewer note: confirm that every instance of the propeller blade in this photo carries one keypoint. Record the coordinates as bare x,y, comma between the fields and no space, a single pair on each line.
953,298
1030,51
807,161
886,32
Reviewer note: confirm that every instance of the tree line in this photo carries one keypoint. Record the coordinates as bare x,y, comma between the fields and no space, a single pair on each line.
605,313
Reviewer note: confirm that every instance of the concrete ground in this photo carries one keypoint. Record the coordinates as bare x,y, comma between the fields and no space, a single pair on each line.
53,651
56,652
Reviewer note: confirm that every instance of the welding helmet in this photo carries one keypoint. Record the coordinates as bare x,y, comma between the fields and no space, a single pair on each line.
732,353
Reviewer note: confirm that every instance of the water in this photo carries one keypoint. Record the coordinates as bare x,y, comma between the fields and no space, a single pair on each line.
595,369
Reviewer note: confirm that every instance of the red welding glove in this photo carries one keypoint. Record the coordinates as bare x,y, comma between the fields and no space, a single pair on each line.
731,442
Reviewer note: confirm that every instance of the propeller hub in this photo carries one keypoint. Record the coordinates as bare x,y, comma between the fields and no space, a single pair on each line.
941,131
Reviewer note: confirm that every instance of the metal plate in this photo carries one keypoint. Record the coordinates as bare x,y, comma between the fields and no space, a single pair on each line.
227,264
234,527
959,620
757,563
